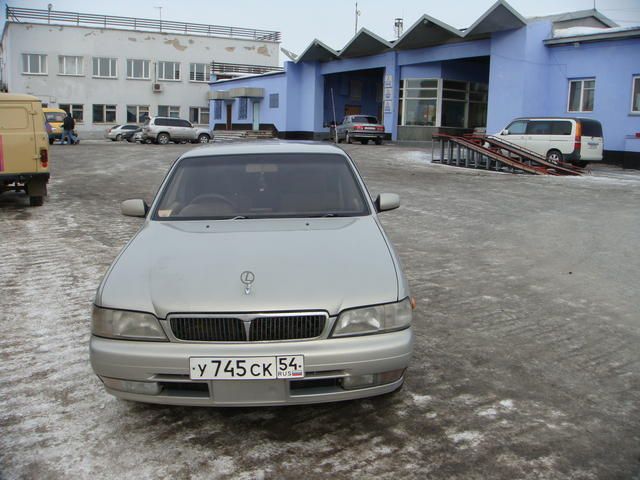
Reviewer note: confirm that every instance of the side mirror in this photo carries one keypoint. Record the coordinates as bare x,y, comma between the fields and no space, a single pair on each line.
504,132
387,201
134,208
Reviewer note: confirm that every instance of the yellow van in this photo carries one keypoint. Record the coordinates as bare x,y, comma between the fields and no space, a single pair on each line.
55,117
24,150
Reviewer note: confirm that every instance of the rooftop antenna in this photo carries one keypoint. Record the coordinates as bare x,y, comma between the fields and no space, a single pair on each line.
398,27
160,10
49,7
357,15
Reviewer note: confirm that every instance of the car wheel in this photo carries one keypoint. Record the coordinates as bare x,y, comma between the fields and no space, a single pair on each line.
378,141
554,156
36,200
118,138
347,138
203,138
163,139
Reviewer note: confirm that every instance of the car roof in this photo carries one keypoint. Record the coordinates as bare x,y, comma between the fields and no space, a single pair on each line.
18,97
266,147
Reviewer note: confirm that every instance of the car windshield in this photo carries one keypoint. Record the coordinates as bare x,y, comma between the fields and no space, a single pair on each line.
261,186
365,119
55,117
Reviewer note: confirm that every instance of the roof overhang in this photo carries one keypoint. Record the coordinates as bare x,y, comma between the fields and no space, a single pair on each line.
364,43
498,18
427,32
317,52
594,37
219,95
246,92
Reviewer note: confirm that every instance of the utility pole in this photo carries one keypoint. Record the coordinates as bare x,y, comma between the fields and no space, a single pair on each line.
357,15
160,10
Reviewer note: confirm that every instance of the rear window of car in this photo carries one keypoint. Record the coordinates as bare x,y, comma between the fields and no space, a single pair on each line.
55,117
364,119
591,128
261,186
161,122
129,127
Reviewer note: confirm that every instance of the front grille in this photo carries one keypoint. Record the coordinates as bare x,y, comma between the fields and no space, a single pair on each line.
260,328
286,328
204,329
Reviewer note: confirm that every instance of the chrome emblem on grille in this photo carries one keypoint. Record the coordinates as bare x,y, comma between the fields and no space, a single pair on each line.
247,278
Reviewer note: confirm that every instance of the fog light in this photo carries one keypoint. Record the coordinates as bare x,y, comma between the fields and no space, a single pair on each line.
143,388
358,381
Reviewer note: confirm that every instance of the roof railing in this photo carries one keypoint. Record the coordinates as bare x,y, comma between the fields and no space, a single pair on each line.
19,15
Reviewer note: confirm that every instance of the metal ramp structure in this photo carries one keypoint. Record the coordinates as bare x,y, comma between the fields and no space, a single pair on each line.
491,153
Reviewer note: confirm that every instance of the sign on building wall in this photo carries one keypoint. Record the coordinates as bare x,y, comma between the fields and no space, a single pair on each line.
388,93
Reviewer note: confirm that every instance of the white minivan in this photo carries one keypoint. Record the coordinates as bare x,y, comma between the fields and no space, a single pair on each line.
575,140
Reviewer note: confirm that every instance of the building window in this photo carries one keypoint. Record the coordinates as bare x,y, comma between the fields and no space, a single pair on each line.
199,115
68,65
217,109
274,100
34,64
581,95
137,113
635,95
138,69
198,72
76,110
242,112
168,71
104,67
419,99
169,111
104,113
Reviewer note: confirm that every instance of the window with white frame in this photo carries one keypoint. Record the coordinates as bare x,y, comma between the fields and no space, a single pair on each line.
137,113
34,64
70,65
198,72
169,111
104,113
581,95
199,115
75,109
138,69
635,94
418,102
168,71
104,67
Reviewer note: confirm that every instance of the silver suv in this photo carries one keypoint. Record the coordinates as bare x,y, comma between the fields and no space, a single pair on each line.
163,130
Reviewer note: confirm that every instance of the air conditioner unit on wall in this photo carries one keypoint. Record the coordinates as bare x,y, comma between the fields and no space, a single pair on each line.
157,87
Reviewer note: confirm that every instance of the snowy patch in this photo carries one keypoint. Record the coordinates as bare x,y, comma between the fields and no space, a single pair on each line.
465,439
421,400
414,156
508,404
489,412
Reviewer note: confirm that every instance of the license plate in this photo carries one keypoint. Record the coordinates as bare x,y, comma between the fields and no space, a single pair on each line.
246,368
369,128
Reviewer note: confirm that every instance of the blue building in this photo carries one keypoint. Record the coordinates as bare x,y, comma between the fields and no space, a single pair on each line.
436,78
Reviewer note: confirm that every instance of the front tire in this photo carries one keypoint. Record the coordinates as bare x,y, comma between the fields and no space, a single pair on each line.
554,156
36,200
163,139
203,138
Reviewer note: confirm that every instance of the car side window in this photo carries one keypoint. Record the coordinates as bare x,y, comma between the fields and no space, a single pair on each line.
184,123
560,128
172,122
517,128
161,122
538,128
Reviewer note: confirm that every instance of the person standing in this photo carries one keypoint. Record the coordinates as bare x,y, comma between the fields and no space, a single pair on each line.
68,125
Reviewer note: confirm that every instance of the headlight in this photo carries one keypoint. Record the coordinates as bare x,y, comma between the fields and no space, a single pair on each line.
125,325
375,319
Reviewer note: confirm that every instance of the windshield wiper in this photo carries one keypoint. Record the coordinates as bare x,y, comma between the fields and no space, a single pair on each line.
238,217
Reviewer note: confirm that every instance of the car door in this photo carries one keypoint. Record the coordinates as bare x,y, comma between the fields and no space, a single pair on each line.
561,137
538,136
515,133
188,130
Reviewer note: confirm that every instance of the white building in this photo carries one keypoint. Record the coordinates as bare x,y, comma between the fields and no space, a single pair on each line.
113,70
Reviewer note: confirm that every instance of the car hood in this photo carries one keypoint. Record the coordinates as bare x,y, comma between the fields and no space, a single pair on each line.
299,264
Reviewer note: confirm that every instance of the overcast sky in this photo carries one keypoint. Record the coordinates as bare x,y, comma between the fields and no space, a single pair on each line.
331,21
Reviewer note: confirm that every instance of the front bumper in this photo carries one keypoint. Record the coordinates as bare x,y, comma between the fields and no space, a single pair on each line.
327,362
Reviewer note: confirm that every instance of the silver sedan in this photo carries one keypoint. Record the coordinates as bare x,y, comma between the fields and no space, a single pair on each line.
261,276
